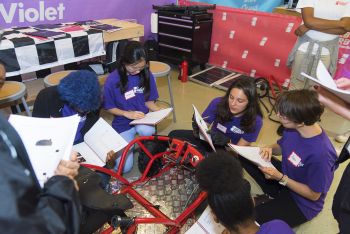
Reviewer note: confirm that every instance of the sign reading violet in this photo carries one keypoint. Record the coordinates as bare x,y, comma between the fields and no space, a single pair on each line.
31,14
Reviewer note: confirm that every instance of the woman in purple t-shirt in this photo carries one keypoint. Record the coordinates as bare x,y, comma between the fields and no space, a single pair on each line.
300,182
235,117
129,93
229,198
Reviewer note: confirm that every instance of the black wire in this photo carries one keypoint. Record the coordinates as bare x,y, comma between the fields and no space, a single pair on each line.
263,82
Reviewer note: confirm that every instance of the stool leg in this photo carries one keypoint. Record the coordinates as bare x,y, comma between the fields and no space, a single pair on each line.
18,109
171,98
26,106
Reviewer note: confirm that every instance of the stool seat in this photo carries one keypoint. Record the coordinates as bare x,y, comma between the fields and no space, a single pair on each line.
159,69
55,78
13,91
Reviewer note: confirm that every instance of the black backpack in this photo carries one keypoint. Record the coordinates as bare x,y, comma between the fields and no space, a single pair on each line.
154,147
151,47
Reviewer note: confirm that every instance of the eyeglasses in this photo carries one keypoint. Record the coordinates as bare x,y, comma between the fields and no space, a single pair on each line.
136,67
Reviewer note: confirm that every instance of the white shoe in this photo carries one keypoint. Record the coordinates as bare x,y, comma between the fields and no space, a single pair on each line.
342,138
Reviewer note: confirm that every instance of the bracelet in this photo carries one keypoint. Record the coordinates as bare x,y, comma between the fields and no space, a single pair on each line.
281,178
284,181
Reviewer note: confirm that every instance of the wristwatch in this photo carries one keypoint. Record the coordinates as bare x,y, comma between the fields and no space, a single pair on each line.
284,180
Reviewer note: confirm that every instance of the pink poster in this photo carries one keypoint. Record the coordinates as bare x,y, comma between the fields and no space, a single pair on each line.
343,69
255,43
258,43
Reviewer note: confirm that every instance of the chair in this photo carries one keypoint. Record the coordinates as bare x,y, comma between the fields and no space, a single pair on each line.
158,70
55,78
13,93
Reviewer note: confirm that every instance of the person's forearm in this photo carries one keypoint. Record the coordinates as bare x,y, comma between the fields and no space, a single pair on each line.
334,31
318,24
152,106
117,111
335,104
303,190
322,24
346,22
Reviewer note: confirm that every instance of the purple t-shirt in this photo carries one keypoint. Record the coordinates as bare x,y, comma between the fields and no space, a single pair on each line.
132,100
232,128
275,227
309,161
68,111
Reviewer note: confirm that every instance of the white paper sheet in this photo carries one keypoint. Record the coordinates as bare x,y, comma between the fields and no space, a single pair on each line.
59,131
206,224
203,128
87,155
101,139
325,80
251,153
153,117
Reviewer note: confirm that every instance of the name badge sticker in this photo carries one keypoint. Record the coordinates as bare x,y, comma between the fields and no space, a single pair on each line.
294,159
221,127
129,94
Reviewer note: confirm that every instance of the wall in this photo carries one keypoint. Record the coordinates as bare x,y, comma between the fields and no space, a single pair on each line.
31,12
257,5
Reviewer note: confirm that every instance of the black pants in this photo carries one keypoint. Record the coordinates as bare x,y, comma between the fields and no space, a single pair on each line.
341,202
92,220
282,206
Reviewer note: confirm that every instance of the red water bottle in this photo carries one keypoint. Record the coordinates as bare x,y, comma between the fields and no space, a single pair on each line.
184,71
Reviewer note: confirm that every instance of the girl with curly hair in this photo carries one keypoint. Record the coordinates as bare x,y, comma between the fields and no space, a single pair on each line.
77,93
229,197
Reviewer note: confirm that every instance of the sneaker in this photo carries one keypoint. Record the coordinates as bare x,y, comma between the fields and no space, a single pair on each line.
261,199
342,138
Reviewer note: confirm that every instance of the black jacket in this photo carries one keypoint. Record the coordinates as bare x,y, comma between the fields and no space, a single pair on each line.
25,207
48,104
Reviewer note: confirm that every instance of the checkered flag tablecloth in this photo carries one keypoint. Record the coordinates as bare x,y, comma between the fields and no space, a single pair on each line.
22,53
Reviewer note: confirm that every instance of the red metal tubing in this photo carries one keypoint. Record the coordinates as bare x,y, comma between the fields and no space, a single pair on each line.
184,215
107,171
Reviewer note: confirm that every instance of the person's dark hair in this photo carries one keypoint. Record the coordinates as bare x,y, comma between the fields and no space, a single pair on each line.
221,176
133,52
81,90
247,85
300,106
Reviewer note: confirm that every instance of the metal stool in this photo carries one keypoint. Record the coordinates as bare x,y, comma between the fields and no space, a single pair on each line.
158,70
55,78
11,93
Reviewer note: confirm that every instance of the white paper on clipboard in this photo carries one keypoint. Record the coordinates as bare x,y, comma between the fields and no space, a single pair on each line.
203,128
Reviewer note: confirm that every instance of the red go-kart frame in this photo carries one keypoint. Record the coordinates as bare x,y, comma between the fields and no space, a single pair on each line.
180,153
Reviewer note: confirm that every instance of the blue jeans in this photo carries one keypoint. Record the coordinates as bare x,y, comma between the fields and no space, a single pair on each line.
129,135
